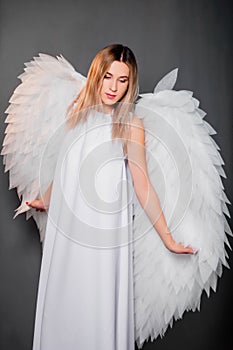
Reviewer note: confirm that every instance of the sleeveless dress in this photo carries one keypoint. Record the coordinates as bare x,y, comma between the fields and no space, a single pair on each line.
85,295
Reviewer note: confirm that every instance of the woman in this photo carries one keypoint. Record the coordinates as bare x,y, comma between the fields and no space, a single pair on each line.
122,65
85,297
108,273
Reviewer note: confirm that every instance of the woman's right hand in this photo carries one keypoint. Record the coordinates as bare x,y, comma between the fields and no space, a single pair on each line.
38,204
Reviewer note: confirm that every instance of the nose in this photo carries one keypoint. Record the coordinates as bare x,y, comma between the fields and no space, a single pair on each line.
113,85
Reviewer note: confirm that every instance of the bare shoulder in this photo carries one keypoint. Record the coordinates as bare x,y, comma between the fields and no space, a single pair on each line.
137,129
136,121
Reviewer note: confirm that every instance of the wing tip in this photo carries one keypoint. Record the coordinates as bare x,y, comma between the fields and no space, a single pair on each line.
167,82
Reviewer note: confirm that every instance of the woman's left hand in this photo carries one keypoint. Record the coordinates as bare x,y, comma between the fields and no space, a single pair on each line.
179,248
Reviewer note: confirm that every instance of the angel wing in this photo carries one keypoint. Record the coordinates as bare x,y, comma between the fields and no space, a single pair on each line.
185,168
36,122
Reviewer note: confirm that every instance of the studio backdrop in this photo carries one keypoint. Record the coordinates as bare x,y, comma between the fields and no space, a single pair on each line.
193,36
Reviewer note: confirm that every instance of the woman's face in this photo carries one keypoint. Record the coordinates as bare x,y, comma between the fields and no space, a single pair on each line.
115,84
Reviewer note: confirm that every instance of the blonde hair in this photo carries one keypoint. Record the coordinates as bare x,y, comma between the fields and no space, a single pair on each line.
89,96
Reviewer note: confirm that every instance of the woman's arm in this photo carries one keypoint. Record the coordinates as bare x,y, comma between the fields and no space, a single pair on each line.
42,203
144,190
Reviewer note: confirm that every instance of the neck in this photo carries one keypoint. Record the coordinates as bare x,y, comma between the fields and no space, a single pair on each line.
107,109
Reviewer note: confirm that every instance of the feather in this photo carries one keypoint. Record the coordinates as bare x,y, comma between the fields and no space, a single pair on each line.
167,82
36,127
185,168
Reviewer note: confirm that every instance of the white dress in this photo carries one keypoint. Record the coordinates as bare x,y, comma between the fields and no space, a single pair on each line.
85,294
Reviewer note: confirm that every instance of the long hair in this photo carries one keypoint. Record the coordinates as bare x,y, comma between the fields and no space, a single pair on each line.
89,96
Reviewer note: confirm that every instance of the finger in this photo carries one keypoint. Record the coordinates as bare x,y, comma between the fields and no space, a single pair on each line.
185,250
191,251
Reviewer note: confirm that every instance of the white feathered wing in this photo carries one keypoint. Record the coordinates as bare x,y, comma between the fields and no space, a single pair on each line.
185,166
36,127
180,153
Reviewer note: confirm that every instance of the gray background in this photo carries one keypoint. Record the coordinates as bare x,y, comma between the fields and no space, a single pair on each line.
196,37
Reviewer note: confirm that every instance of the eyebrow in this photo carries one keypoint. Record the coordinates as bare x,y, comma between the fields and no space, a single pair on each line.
122,76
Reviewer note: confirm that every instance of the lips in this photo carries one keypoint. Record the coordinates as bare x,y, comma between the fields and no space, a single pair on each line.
110,96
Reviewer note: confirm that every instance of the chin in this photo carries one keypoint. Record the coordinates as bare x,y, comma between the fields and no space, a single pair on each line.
109,103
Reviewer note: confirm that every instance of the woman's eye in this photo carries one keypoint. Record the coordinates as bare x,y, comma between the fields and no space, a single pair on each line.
123,81
106,76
